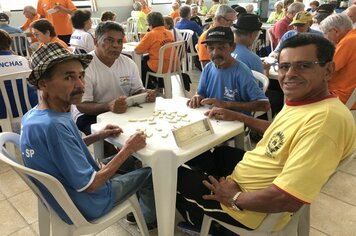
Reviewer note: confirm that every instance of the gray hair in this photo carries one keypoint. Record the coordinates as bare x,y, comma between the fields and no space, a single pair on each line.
279,3
340,21
30,9
184,11
224,10
106,26
295,7
137,6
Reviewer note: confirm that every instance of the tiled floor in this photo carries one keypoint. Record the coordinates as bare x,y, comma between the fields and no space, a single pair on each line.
333,213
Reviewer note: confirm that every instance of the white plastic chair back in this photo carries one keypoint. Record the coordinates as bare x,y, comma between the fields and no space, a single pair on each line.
20,44
269,34
352,99
48,218
175,52
94,22
10,121
188,37
132,30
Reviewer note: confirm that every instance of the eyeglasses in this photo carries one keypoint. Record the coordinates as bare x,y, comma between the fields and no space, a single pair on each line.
228,20
298,66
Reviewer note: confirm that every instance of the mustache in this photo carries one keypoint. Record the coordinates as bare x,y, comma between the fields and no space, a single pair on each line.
218,57
77,92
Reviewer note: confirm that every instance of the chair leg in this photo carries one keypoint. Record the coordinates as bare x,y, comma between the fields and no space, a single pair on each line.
43,219
167,81
138,215
205,226
304,222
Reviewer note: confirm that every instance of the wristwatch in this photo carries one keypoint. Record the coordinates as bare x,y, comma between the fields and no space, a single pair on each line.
233,200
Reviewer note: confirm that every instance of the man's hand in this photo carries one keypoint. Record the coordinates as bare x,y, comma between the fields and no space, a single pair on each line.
118,105
151,95
222,191
136,142
221,114
213,102
194,102
110,130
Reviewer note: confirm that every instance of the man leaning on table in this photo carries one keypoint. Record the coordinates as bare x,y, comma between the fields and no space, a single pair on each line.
226,82
51,143
299,150
109,79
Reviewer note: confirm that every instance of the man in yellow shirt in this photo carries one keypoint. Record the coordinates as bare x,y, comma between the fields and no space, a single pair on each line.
299,150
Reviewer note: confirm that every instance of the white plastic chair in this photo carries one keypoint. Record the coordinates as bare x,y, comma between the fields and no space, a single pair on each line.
352,99
269,34
20,44
94,22
175,53
49,221
266,228
132,30
188,37
10,121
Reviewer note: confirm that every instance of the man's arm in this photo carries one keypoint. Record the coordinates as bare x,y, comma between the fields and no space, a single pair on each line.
268,200
243,106
118,105
133,144
255,124
109,130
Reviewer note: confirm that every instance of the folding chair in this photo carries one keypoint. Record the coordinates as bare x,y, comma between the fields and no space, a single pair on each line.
49,221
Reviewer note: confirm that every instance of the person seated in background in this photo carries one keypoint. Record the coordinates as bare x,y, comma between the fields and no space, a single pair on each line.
351,12
277,14
299,151
81,39
318,17
5,25
108,15
10,64
301,24
94,190
338,29
213,9
203,10
151,43
109,79
226,82
249,9
169,25
313,7
44,32
145,7
137,12
195,16
58,13
31,15
282,26
239,10
175,11
246,31
224,16
185,23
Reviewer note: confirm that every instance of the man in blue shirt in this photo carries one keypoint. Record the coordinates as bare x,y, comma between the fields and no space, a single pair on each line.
301,24
246,30
185,23
226,82
94,190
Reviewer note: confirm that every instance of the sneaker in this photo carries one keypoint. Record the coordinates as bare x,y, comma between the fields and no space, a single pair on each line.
130,219
188,228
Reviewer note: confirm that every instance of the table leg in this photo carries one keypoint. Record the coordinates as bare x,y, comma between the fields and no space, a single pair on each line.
164,173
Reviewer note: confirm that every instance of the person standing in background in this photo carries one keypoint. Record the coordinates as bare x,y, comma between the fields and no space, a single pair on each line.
31,15
58,12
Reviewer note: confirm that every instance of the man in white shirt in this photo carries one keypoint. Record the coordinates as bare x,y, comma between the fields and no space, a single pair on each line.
109,79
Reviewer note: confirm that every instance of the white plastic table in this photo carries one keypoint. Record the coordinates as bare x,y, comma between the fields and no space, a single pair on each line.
161,153
129,50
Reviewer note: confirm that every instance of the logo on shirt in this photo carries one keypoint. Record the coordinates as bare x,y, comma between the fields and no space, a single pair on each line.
274,144
29,153
229,94
10,63
76,37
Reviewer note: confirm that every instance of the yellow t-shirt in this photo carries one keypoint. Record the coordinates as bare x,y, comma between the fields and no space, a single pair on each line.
298,152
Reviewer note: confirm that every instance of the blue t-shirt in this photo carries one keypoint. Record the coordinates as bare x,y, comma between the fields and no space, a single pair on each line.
291,33
235,84
10,63
245,55
187,24
50,142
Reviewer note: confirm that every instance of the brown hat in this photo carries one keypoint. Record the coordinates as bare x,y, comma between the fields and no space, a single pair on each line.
49,55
